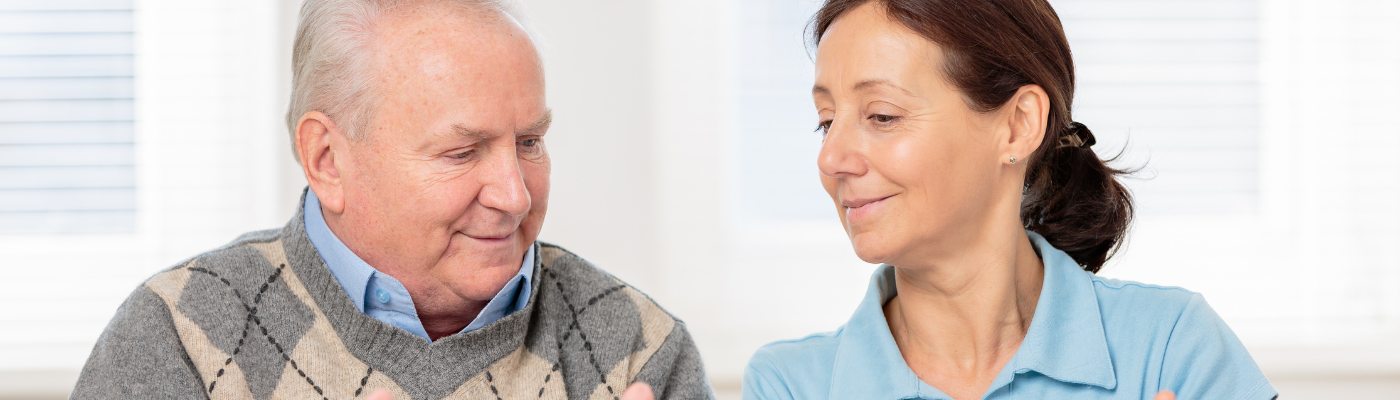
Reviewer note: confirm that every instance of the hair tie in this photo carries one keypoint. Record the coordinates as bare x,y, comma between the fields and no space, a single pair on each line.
1077,136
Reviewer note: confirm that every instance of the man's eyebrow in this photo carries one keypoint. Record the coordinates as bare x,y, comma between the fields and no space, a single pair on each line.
821,90
539,126
534,129
469,132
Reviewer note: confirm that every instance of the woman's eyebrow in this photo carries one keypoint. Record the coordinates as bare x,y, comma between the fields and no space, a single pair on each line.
870,83
863,85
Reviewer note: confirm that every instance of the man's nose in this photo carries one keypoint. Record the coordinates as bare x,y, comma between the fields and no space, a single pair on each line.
503,186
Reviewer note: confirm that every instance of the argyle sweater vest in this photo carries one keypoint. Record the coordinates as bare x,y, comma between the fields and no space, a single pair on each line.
263,317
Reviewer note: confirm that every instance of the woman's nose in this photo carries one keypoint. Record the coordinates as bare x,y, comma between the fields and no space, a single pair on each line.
841,154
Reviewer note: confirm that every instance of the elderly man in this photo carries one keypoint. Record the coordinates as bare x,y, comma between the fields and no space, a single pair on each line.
412,270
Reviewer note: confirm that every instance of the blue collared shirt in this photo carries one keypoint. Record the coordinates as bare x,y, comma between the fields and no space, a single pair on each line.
382,297
1090,338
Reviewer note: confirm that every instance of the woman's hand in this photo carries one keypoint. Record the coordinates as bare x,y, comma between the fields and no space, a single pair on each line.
1165,395
638,391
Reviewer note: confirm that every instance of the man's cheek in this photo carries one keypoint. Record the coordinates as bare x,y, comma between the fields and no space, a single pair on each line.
537,182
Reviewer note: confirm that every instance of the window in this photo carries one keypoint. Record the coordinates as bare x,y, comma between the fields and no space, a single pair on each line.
1177,84
67,154
133,135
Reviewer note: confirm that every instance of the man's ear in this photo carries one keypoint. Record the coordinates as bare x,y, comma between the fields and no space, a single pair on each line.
1030,111
318,140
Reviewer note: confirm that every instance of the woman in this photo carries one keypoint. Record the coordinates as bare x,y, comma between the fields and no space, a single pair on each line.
950,154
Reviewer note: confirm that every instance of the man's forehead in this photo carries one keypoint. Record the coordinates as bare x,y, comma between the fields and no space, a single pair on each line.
449,42
427,23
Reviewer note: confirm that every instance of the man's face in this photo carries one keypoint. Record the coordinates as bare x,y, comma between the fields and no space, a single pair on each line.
449,187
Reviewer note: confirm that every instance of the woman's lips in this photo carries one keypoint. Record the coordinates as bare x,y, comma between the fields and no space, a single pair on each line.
863,208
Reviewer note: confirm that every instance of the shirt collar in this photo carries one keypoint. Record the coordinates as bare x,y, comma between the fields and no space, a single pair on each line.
351,271
1065,342
357,277
868,363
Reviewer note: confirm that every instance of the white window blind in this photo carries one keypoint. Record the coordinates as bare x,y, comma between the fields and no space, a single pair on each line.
67,150
1175,82
106,179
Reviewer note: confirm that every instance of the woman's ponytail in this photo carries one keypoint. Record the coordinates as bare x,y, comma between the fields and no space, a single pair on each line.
1073,198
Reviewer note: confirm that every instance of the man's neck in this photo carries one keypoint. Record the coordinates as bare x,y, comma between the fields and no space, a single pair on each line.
441,322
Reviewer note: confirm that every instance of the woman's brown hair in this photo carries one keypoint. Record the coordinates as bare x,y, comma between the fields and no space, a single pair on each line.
992,48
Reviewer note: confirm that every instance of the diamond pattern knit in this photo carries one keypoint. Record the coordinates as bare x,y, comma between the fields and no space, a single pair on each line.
263,318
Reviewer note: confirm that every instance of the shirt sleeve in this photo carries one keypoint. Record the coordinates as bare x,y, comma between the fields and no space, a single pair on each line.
1205,360
139,356
762,380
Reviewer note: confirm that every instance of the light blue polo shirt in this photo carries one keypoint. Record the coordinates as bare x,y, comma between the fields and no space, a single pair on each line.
1090,338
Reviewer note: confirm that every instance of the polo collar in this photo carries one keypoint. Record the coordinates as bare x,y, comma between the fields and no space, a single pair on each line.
1066,340
868,364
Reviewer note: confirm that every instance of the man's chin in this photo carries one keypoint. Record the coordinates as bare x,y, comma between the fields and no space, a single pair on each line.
478,281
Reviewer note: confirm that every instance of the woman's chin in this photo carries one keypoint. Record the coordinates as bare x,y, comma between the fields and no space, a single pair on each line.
870,249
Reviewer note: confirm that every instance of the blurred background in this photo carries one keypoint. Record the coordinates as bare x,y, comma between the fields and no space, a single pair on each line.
137,133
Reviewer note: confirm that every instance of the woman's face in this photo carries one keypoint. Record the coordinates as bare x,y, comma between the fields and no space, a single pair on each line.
912,170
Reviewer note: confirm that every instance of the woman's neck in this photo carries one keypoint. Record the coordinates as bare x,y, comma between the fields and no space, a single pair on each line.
959,320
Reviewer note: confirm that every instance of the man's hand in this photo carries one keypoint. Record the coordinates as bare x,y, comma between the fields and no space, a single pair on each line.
638,391
1165,395
380,394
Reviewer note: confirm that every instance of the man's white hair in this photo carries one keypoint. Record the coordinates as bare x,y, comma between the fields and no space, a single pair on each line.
330,57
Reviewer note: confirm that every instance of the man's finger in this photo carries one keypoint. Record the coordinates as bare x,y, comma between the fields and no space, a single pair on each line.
380,394
1165,395
638,391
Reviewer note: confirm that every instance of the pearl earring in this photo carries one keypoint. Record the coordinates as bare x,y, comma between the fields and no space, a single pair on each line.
1013,159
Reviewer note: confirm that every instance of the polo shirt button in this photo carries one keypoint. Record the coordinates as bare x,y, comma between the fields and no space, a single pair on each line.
382,295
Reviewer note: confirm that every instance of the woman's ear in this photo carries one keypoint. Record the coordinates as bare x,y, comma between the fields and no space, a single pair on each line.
1030,111
316,135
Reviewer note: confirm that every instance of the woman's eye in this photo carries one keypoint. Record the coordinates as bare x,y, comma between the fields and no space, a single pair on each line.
529,142
823,127
462,155
882,118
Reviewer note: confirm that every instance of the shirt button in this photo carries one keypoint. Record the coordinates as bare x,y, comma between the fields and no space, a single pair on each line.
382,295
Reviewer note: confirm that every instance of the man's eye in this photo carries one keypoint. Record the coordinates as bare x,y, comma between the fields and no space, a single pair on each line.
461,155
882,118
823,127
529,142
